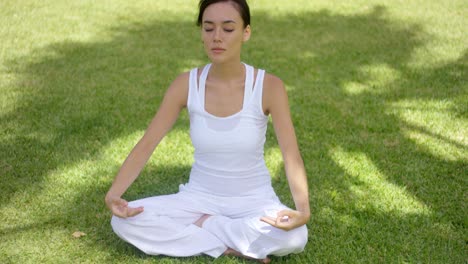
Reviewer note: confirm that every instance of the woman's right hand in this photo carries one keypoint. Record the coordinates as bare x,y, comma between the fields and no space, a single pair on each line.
120,208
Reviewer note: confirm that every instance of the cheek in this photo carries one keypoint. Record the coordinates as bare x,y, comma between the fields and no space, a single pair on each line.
235,39
238,41
205,35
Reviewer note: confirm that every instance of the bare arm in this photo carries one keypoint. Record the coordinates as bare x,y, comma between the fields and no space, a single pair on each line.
174,101
275,102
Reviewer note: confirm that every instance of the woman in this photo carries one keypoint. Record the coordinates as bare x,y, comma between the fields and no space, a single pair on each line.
228,206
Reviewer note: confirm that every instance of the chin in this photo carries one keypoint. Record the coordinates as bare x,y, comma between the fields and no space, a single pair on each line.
217,59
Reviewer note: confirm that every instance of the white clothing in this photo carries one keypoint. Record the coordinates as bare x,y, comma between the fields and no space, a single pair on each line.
228,180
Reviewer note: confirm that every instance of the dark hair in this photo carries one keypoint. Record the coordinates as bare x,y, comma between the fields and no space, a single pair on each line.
241,6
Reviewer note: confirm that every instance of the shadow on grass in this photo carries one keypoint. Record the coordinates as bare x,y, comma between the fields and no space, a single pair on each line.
325,55
80,97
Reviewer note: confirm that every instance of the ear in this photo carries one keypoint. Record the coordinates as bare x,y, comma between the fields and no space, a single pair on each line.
247,32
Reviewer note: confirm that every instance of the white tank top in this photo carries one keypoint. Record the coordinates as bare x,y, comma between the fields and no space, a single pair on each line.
228,150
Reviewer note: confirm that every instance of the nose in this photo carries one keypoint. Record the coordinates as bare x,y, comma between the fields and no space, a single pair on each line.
217,35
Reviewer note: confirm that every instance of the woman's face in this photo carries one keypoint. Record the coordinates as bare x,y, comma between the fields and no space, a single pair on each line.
223,32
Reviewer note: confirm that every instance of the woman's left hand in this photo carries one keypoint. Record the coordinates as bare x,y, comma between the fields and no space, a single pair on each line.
287,219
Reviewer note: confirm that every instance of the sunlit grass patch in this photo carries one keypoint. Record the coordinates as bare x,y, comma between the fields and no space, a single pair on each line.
434,126
371,189
273,159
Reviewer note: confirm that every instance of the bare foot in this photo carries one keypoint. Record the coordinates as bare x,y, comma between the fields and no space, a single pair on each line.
201,220
232,252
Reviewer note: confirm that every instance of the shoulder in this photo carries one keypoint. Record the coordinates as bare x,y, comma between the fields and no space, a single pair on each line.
178,90
180,83
181,80
274,92
272,83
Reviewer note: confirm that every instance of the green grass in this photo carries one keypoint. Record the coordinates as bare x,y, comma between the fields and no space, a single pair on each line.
378,93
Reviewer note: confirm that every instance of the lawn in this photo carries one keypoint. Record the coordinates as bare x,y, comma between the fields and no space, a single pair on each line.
378,94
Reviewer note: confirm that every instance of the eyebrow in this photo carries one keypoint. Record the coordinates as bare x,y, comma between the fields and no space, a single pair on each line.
224,22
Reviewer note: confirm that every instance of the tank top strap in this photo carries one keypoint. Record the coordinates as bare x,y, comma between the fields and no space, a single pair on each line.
201,85
193,89
258,89
249,82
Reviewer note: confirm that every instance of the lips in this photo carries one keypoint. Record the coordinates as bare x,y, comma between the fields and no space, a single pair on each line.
217,50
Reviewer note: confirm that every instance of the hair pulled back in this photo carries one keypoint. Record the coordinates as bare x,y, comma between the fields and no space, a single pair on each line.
240,5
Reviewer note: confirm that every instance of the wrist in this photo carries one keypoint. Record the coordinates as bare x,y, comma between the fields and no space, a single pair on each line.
109,196
306,214
305,211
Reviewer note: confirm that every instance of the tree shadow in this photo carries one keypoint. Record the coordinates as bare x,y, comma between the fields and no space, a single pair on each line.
324,54
66,115
85,95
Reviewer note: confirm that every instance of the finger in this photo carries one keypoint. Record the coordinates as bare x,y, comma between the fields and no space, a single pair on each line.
284,216
269,217
285,225
119,208
285,212
280,221
119,215
287,222
269,220
134,211
121,202
119,212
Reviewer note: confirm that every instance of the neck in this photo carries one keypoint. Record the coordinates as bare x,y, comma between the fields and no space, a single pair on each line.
228,71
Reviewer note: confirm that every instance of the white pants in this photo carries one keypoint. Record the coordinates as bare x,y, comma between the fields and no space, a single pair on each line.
166,226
